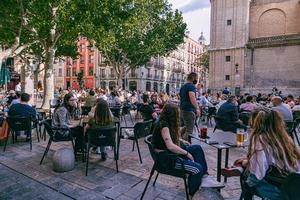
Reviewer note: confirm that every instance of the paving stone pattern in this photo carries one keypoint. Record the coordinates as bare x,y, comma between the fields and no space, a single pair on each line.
22,177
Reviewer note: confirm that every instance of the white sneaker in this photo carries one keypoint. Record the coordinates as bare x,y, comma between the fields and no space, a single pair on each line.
209,182
98,150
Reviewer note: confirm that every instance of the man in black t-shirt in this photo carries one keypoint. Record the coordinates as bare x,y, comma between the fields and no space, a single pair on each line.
189,108
146,110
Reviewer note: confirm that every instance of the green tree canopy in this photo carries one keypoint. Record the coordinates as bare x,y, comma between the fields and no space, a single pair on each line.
133,31
47,28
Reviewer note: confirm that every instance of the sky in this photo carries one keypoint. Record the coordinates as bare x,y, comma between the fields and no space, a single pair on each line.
196,13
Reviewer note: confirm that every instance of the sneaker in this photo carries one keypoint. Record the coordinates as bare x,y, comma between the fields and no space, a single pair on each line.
98,150
103,156
229,172
209,182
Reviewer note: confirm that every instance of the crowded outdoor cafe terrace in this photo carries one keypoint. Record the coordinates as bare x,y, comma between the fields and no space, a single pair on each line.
99,145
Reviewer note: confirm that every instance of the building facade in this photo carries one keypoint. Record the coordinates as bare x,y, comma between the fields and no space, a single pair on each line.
59,73
255,45
85,63
161,73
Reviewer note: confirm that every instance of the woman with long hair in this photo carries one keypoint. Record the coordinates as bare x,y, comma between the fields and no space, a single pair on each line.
65,117
103,118
166,136
270,146
271,153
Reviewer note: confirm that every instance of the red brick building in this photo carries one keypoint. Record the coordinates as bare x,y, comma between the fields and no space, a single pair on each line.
85,63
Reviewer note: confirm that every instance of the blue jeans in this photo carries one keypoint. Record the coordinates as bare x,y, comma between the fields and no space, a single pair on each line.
263,188
196,169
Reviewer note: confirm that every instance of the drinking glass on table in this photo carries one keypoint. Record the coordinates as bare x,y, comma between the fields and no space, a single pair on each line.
241,137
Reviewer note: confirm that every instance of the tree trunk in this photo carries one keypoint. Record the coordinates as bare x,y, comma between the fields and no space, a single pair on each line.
48,79
120,77
23,75
36,76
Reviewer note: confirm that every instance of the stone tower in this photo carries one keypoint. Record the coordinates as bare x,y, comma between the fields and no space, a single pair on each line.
228,38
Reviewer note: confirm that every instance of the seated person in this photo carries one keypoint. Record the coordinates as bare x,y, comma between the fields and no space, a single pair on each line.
11,96
223,99
270,147
203,101
229,117
114,100
282,108
91,99
248,105
64,117
156,103
296,109
102,119
23,109
166,137
17,100
146,110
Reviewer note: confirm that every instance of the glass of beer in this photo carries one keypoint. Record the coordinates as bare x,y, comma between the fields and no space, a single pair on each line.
241,137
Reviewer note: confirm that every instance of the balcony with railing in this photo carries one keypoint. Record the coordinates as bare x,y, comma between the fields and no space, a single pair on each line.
149,76
133,75
177,69
156,77
159,66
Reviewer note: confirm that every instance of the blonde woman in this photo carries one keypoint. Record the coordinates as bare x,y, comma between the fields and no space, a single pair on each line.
271,152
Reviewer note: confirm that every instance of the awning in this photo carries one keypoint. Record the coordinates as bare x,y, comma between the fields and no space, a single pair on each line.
4,73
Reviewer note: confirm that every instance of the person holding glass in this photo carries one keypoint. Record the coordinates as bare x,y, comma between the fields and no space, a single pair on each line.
66,117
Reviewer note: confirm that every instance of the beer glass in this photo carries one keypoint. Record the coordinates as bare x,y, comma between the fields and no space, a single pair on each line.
241,137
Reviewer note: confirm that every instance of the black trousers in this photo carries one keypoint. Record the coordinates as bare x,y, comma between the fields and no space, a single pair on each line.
77,133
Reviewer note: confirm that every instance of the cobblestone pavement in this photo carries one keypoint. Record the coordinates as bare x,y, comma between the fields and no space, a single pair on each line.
22,177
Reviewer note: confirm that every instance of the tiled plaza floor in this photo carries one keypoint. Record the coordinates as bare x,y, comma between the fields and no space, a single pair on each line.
22,177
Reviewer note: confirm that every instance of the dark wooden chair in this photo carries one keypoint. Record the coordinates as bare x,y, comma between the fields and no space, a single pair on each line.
102,137
157,166
140,130
126,111
56,135
291,128
116,111
290,188
17,124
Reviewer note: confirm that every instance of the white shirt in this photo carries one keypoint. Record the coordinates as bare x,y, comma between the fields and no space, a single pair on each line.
263,158
296,108
18,88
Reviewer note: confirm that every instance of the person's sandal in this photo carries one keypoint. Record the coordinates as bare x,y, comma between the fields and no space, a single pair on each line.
230,172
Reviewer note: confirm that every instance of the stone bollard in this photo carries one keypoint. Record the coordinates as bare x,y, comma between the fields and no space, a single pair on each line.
207,194
63,160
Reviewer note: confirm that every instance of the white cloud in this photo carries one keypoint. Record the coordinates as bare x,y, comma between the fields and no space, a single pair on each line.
196,14
193,5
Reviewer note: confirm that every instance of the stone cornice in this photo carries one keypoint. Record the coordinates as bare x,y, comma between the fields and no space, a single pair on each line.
282,40
225,48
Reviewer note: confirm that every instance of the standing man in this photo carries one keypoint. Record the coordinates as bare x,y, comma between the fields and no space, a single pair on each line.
189,108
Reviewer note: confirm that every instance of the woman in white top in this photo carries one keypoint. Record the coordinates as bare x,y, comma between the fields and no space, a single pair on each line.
270,147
